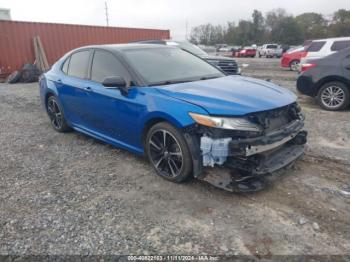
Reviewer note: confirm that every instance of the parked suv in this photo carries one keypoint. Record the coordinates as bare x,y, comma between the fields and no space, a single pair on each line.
270,50
328,80
324,47
226,64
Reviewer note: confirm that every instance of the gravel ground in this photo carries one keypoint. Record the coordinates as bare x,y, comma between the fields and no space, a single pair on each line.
71,194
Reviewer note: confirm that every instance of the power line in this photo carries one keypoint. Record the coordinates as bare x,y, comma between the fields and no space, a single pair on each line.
106,8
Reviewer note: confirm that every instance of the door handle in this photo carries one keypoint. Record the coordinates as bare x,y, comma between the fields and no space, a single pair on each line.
89,89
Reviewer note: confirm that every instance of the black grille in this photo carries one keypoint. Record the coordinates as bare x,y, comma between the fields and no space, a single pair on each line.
276,118
228,66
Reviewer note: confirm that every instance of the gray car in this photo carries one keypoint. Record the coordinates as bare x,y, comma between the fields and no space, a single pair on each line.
328,80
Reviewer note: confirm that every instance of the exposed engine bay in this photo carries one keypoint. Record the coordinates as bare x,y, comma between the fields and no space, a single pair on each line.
250,156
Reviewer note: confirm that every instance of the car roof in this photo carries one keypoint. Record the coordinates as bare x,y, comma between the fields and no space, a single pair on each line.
332,39
150,41
159,41
120,47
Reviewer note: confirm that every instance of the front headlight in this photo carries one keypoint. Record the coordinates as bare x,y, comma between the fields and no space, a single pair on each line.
232,123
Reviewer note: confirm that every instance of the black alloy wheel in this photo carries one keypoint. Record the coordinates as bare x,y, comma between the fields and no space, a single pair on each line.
168,152
56,115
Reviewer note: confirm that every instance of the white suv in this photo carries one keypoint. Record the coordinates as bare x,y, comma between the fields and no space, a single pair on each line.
324,47
270,50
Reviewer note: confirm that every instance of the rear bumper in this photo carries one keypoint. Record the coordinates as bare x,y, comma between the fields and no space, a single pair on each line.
247,54
306,85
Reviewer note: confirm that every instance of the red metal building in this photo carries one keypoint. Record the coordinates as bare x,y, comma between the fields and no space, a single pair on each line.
16,40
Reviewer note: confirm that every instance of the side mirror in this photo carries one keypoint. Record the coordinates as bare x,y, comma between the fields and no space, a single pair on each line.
116,82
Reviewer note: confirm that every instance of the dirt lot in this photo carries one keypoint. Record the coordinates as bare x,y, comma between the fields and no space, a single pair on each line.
71,194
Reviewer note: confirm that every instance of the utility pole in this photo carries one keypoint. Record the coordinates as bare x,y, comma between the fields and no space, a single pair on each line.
106,8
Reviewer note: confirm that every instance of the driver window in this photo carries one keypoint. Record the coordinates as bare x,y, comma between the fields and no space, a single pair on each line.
104,65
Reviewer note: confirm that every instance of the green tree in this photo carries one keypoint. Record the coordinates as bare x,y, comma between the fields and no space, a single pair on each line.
207,34
341,16
258,27
313,25
231,33
287,31
277,26
245,33
340,24
274,17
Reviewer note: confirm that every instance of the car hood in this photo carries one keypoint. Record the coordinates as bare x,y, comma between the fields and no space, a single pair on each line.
231,95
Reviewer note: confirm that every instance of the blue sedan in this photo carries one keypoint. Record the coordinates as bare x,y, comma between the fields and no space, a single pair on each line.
184,114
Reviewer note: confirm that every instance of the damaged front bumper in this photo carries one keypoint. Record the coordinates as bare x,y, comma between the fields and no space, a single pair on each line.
231,179
246,164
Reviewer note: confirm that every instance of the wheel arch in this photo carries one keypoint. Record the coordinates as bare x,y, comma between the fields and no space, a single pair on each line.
53,92
47,95
332,78
295,59
155,119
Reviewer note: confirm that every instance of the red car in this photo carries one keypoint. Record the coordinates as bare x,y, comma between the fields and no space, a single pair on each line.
247,52
292,58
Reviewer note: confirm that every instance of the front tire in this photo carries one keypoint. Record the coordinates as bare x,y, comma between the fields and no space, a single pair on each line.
168,152
58,121
334,96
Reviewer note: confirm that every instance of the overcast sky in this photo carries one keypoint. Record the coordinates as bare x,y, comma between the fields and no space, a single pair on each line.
163,14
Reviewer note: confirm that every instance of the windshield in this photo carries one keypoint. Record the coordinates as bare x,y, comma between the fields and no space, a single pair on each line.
192,48
167,65
272,46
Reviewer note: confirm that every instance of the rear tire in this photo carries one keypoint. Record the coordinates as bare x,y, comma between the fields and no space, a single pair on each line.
168,152
56,115
334,96
294,65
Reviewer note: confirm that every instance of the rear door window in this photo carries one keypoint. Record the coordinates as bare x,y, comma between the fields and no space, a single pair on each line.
339,45
104,65
316,46
78,64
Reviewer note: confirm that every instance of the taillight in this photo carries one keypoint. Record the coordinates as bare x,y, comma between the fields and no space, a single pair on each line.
305,67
